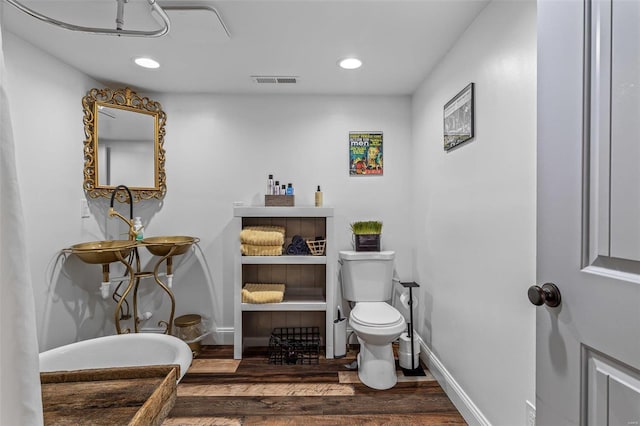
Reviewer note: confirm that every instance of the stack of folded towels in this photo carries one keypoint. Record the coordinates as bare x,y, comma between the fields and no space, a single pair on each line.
262,293
298,246
262,240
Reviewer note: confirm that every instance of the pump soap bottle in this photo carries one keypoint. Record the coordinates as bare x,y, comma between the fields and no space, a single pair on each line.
318,197
138,229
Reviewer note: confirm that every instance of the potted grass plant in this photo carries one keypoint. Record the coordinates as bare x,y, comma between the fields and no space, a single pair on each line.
367,235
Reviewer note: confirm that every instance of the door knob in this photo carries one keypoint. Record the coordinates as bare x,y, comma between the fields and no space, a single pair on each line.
547,294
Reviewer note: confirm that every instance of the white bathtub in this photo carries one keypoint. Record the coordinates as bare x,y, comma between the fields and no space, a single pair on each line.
122,350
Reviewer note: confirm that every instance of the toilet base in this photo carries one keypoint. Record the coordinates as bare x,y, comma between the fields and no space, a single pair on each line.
376,366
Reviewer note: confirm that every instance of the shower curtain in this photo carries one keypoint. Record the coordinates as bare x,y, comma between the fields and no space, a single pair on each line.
20,397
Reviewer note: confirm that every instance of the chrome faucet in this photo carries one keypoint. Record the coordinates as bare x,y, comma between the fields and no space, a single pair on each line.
112,212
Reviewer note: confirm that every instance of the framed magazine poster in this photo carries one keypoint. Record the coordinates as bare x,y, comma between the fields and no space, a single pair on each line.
365,154
459,118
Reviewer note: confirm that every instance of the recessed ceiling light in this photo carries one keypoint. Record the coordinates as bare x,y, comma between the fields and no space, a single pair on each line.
350,63
147,63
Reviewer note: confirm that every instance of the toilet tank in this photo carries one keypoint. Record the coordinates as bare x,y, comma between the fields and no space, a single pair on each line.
367,275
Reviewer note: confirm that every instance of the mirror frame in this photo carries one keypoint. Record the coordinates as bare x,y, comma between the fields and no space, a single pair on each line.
125,99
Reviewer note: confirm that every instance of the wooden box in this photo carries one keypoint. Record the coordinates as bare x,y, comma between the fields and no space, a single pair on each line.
279,200
134,396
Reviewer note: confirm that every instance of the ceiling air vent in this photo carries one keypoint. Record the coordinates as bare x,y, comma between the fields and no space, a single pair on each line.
265,79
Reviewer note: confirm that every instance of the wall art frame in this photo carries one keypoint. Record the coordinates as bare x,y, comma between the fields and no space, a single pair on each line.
459,118
366,154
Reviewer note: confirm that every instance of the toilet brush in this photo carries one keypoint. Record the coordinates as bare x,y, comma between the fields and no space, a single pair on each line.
339,336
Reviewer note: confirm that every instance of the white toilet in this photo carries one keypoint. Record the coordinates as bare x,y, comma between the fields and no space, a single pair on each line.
367,280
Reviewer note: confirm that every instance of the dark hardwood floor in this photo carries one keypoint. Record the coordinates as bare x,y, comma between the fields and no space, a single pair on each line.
218,390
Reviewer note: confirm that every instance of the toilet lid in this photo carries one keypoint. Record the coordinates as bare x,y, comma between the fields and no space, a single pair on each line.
375,313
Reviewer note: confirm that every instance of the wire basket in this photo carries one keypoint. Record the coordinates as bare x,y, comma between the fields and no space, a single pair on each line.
316,247
294,345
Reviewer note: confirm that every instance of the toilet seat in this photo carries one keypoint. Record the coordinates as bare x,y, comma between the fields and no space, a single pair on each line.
375,314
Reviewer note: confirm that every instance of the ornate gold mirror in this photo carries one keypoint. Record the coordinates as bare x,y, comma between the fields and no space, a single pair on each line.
124,144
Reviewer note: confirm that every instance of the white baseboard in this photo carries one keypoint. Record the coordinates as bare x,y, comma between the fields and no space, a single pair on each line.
454,391
220,336
156,330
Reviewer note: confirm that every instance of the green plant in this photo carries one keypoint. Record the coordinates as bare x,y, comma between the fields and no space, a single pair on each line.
366,227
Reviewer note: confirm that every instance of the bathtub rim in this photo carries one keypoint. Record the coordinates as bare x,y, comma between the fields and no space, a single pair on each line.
183,354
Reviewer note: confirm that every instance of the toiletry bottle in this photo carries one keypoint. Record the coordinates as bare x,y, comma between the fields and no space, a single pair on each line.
318,197
138,228
289,189
270,185
276,188
283,190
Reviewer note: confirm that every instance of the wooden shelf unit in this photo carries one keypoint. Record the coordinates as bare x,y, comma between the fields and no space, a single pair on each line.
310,280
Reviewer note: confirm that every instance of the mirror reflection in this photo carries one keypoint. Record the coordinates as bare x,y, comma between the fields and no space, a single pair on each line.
124,137
126,151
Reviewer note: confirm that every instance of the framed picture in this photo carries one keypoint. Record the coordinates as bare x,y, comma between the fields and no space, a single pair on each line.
365,154
458,118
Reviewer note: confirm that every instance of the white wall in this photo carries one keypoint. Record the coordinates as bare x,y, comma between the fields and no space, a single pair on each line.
475,213
219,150
44,97
470,242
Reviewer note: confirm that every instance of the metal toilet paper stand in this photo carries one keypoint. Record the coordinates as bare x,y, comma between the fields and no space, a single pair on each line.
415,370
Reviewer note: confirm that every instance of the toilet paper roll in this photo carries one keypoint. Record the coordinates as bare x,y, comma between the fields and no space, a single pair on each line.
404,359
405,344
404,301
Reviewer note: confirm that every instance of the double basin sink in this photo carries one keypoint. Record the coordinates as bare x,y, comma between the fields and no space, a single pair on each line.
105,252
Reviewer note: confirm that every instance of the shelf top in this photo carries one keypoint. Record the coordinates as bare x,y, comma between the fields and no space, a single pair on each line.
302,211
296,305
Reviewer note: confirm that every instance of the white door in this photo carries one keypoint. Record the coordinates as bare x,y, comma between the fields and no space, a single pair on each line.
588,348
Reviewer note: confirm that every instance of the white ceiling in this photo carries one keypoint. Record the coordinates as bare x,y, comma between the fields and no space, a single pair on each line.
399,41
